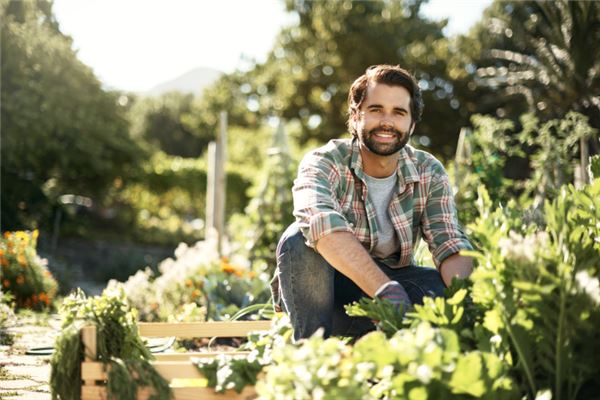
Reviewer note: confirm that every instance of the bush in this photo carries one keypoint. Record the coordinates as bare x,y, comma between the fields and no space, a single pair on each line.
198,284
24,273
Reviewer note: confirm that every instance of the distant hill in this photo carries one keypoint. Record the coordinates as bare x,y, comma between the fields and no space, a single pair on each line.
193,81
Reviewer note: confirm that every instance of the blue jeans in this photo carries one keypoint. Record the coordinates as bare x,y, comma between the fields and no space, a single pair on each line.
313,293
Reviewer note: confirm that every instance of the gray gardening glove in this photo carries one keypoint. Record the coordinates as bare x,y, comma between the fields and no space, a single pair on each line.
395,293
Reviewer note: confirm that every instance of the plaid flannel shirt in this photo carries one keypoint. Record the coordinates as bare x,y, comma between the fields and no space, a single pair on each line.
330,195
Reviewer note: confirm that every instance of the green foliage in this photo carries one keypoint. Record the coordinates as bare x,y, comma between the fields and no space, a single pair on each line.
168,124
24,274
49,97
540,51
118,344
236,372
269,212
539,293
547,149
595,167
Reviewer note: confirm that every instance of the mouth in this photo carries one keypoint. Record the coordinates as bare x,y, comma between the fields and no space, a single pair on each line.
387,135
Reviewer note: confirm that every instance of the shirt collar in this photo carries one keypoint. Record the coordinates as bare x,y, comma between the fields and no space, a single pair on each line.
407,171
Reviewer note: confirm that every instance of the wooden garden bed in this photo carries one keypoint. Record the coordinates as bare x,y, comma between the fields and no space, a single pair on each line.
172,366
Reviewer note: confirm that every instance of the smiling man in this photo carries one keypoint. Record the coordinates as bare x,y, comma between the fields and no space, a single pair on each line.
361,206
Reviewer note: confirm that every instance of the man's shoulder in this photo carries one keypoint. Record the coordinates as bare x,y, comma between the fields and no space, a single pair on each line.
337,151
423,160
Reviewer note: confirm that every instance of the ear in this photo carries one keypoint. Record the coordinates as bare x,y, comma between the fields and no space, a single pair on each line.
412,129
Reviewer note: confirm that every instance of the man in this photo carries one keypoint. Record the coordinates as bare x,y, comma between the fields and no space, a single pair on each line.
361,205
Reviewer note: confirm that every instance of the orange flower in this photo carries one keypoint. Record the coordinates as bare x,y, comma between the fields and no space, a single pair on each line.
1,252
3,261
44,298
7,234
154,306
5,283
196,293
188,282
230,269
251,274
20,279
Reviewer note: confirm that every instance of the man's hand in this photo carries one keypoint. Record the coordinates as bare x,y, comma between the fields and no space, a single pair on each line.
395,293
456,266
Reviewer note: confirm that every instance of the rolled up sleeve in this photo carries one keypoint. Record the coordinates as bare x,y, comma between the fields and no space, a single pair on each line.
316,207
440,227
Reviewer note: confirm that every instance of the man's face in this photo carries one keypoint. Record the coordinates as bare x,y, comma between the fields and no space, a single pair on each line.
384,122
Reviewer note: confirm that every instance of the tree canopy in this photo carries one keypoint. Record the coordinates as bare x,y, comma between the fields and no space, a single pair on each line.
61,132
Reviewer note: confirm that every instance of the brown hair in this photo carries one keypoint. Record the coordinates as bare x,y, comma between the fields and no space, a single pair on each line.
392,75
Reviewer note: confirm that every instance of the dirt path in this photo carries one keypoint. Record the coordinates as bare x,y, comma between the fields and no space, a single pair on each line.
24,376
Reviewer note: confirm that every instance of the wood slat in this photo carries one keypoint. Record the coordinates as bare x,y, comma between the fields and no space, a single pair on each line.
187,356
196,393
201,329
167,369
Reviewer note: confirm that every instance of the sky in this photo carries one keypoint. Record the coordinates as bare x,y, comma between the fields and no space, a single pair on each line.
134,45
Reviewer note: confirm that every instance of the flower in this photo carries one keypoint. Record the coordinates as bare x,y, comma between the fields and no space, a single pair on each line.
44,298
22,260
20,279
5,283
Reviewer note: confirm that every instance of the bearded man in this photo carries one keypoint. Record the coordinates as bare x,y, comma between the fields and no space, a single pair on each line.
361,206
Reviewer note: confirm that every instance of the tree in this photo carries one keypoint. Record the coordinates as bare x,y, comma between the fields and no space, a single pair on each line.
544,53
308,73
168,124
61,133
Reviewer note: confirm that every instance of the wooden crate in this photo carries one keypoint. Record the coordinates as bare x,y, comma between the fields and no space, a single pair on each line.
170,365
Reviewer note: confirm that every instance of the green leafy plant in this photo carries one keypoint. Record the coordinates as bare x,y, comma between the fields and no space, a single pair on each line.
118,345
538,289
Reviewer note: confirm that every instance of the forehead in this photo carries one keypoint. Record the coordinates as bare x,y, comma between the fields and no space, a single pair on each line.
387,96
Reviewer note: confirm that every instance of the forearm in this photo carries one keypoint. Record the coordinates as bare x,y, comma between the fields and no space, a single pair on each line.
456,266
345,253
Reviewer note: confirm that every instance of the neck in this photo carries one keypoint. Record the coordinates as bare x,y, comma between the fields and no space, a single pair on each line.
378,166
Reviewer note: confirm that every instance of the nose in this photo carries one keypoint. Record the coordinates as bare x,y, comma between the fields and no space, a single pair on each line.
386,122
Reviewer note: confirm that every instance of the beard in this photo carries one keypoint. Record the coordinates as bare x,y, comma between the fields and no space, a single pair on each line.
384,149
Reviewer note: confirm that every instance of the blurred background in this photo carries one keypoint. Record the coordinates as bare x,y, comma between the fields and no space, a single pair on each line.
107,109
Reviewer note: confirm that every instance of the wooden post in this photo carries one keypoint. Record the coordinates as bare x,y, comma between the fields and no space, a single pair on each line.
215,194
88,338
585,161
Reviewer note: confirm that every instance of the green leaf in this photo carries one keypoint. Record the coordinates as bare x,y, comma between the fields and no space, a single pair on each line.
467,376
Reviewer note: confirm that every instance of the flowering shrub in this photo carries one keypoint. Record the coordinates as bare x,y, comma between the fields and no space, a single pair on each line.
24,274
197,284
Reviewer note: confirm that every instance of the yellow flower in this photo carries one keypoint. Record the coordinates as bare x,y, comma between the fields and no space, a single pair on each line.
22,260
35,234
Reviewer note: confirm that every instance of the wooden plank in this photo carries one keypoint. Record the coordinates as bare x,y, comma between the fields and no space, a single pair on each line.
187,356
201,329
195,393
88,339
168,369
